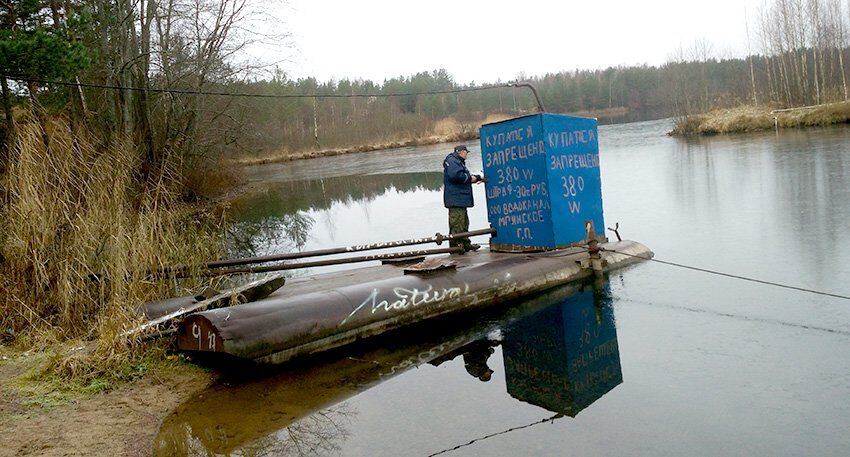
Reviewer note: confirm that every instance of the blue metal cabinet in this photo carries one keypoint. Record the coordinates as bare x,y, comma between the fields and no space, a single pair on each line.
543,181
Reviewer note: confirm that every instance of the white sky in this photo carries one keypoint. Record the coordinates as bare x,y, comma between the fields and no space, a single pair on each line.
483,41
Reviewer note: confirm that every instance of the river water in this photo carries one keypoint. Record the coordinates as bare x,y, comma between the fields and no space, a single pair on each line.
657,360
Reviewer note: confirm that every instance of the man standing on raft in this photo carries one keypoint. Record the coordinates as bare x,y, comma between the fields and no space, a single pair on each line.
457,194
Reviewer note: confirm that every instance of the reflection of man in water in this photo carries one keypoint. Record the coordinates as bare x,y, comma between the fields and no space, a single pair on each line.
475,359
475,355
457,194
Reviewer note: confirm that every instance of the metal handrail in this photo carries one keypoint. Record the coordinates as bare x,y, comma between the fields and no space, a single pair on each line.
437,238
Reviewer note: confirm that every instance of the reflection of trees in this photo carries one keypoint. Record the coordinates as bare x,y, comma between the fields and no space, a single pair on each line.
793,185
285,233
278,217
318,434
812,171
315,194
695,173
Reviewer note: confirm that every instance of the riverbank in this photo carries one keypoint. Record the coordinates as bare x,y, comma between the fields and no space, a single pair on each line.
70,383
443,131
37,418
287,156
757,118
446,130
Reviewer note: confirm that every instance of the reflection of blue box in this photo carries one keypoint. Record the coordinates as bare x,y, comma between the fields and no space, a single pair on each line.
564,357
543,181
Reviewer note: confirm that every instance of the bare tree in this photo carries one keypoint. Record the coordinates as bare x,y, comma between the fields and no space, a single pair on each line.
750,58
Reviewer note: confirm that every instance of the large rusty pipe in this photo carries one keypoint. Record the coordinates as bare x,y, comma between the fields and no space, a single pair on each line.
279,328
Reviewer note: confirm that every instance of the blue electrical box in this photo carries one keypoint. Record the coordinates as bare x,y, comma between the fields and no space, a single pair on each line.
544,186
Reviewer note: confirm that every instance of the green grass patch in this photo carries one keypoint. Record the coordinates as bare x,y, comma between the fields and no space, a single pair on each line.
49,380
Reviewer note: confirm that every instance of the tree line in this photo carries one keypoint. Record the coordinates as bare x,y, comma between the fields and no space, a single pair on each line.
798,56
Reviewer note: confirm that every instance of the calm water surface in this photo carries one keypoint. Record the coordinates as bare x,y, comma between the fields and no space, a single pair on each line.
657,360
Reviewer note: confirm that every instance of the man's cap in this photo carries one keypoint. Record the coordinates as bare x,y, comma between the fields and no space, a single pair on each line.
461,147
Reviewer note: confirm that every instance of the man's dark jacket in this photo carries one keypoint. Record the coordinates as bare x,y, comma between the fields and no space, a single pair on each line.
457,182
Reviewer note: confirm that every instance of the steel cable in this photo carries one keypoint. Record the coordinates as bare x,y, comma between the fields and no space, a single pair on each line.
728,275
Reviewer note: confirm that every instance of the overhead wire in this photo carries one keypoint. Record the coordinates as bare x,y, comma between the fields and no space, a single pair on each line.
252,95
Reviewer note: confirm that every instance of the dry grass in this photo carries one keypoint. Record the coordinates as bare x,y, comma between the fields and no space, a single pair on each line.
741,119
751,119
447,126
74,209
497,117
822,115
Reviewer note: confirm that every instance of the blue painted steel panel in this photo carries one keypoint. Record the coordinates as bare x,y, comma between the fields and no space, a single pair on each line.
572,151
514,158
544,180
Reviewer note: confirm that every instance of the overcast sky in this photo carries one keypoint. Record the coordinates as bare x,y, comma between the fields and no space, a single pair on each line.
483,41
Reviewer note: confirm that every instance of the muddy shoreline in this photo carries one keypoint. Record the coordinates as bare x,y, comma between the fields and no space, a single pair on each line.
121,422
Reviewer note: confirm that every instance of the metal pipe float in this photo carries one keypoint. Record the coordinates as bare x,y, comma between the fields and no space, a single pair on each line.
277,329
207,419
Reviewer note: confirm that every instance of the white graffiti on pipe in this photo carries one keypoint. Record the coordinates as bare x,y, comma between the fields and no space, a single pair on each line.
406,298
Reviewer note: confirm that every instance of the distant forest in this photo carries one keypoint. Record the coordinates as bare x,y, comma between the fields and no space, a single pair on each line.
799,52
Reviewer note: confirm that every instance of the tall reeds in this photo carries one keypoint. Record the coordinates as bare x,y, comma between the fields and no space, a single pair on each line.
72,209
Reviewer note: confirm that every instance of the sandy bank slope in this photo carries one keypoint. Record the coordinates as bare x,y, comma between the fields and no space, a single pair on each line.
123,422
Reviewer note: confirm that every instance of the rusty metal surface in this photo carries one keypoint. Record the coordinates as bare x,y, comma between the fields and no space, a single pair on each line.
403,261
299,286
167,323
279,327
200,333
155,309
431,265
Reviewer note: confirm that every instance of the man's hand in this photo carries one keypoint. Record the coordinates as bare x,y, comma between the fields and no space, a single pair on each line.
478,179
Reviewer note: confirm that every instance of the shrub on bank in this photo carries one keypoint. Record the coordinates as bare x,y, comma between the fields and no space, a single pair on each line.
752,119
73,208
835,113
